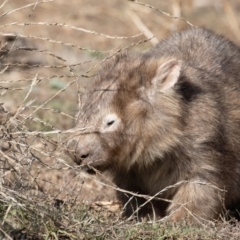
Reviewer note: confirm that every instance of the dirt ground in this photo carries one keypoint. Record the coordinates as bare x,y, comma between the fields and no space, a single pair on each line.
50,49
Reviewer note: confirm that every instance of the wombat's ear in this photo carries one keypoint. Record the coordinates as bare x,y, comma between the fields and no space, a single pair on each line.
167,75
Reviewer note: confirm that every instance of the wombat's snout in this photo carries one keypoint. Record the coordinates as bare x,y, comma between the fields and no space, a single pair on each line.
77,151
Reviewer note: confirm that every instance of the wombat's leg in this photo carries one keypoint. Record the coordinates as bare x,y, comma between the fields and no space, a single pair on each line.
133,205
196,200
137,207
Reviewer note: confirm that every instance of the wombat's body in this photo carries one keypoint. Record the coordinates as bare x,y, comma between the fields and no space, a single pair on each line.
168,116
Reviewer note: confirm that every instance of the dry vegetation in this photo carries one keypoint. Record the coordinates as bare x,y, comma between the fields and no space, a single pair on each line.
48,50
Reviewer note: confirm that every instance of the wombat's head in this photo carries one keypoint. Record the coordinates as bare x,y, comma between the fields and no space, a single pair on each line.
127,113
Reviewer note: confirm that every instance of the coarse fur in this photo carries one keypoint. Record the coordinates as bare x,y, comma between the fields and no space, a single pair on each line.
170,116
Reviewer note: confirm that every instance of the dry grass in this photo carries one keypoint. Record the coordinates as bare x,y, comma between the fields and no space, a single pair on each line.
49,50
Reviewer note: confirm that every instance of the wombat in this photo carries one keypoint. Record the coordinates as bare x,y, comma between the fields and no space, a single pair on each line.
166,123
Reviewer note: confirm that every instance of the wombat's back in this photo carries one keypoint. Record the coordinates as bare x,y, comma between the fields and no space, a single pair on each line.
202,49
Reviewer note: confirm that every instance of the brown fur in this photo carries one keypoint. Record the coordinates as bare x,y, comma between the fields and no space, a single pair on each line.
170,125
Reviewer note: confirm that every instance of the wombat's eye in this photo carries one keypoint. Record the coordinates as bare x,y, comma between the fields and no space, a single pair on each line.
109,123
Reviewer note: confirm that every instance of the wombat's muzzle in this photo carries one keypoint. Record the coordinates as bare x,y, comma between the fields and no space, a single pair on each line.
77,157
86,149
74,151
82,148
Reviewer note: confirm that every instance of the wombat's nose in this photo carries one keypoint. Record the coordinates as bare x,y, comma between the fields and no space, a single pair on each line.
71,150
77,151
72,144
